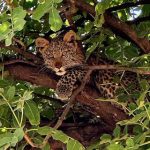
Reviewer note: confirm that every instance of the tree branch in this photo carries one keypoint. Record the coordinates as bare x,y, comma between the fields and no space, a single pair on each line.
127,5
117,26
27,55
138,20
31,74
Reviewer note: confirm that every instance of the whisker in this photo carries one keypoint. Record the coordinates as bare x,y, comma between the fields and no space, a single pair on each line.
43,68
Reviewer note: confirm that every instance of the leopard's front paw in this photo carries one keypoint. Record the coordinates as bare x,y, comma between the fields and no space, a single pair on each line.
63,92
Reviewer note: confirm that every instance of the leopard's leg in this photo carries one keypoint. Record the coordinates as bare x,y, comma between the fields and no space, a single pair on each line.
67,83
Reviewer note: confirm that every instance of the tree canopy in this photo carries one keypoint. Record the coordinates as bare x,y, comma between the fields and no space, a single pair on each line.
30,114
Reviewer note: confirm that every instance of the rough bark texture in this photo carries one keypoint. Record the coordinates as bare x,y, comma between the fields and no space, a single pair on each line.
31,74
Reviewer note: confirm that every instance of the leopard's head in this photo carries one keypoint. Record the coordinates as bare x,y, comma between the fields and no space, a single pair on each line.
60,54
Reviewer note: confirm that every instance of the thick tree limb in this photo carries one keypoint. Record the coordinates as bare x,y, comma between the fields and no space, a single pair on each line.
26,72
117,26
31,74
27,55
102,109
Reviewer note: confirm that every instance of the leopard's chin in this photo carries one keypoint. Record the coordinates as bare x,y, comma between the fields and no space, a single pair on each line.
60,73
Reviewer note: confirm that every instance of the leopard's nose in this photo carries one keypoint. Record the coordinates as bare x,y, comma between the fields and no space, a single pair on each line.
58,65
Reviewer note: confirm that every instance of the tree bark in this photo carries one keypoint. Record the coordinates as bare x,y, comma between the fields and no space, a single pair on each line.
26,72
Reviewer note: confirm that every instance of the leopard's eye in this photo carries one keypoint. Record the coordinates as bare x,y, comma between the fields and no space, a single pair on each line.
65,55
48,54
50,57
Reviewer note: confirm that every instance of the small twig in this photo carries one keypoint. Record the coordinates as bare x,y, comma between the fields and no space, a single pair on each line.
72,10
65,112
29,141
71,101
20,43
127,5
69,105
117,67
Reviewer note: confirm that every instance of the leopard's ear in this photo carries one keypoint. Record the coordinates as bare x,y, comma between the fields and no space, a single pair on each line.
42,44
70,36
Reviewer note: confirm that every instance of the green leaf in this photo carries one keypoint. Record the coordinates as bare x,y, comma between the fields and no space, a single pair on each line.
19,133
91,49
130,52
137,129
27,95
4,17
8,40
74,145
141,100
54,19
105,138
11,93
31,112
115,146
134,120
57,1
144,85
117,131
45,130
5,140
41,1
100,9
8,139
18,16
46,147
14,123
42,9
4,30
130,142
59,135
18,26
88,26
140,138
4,27
99,20
14,141
18,13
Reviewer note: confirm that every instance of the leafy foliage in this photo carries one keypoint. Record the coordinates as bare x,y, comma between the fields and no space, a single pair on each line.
22,110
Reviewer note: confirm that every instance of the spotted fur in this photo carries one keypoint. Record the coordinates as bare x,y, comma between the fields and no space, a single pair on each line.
60,55
63,57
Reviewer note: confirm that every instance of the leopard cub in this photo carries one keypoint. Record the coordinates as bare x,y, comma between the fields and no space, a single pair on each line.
66,59
63,56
